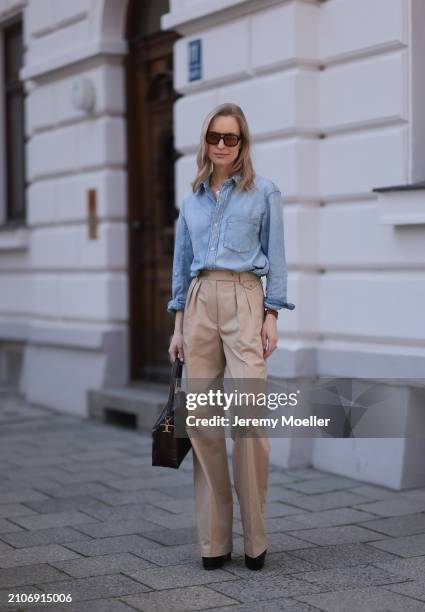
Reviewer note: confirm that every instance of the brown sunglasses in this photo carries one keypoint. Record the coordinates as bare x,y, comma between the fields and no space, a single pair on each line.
230,140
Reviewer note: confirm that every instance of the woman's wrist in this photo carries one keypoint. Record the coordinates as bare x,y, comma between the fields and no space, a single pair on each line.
271,312
178,322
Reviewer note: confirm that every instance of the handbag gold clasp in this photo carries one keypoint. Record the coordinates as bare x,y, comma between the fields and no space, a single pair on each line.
167,426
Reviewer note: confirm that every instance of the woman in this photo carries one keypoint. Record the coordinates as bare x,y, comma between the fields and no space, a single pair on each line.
229,233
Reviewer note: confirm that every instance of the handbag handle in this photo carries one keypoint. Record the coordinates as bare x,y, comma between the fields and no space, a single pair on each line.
176,373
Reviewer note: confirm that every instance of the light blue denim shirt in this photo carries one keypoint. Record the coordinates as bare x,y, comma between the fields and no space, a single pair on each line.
240,231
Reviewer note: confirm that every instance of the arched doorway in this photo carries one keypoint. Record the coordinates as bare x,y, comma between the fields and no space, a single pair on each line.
152,213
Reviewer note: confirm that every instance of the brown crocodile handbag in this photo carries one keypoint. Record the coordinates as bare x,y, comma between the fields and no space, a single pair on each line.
167,449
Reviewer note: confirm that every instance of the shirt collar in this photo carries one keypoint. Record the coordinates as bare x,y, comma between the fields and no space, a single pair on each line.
205,183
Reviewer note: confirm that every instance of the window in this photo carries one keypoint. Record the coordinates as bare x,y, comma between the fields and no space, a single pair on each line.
14,210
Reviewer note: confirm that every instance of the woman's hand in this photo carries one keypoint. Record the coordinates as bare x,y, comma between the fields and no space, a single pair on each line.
269,335
176,346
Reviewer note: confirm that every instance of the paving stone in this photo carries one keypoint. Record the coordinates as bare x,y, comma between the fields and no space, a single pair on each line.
339,578
280,476
176,506
54,519
414,589
22,494
173,537
393,506
8,527
128,473
343,534
409,524
135,483
330,518
326,501
124,469
278,605
4,547
274,525
408,546
172,555
105,546
278,493
36,554
306,473
113,528
158,480
133,511
73,490
415,494
175,521
178,600
28,575
97,455
54,535
11,510
177,491
272,587
275,510
279,542
323,485
93,475
84,503
7,485
130,497
413,567
37,459
372,492
277,564
342,555
153,477
29,476
190,574
104,564
371,599
98,605
43,485
96,587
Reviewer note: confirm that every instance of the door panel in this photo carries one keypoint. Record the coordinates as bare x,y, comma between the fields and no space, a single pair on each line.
152,212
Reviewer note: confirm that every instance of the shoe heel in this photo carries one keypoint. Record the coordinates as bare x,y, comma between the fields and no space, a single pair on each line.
212,563
255,563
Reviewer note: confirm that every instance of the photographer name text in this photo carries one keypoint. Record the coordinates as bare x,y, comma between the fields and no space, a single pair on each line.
290,421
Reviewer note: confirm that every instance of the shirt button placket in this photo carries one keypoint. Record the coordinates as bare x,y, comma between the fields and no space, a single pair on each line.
215,232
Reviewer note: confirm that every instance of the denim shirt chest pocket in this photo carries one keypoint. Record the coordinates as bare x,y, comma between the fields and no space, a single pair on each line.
241,234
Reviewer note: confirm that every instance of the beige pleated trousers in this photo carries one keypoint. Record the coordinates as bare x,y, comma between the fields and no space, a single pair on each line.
222,324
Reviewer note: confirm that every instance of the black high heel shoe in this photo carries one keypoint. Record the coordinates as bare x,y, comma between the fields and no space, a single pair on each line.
212,563
255,563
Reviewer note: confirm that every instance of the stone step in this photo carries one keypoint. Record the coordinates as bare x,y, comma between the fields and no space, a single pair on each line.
136,406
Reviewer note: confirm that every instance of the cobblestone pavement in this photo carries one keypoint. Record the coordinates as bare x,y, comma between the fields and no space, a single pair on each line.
82,511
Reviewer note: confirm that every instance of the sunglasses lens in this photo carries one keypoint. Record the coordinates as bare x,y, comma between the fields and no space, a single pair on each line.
212,138
230,140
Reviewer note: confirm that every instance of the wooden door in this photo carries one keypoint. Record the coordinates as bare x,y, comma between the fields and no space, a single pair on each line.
152,211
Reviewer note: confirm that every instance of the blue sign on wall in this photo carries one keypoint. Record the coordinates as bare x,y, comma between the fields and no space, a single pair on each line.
195,60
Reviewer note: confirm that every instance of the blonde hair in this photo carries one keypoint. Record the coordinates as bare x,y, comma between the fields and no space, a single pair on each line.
242,163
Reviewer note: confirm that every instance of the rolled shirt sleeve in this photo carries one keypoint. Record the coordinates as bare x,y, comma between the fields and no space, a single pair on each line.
273,245
182,260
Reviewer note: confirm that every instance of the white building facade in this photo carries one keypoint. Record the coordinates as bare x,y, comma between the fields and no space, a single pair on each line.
333,92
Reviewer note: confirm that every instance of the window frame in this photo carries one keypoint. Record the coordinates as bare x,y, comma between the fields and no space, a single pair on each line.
8,220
